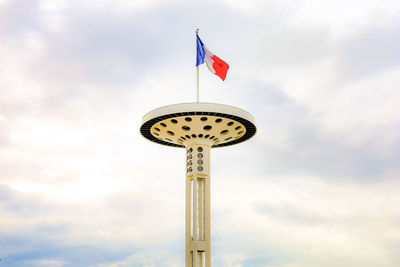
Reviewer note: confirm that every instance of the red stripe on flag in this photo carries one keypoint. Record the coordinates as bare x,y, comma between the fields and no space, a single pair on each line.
220,67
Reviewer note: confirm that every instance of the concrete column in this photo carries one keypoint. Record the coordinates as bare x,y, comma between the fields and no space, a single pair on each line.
198,231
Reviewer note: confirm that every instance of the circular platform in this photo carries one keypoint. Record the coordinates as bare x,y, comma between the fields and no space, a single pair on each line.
176,125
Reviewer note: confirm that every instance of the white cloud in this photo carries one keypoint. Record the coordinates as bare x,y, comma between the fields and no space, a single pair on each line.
315,187
46,262
306,218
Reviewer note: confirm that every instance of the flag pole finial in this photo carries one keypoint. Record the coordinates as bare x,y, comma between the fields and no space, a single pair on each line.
197,31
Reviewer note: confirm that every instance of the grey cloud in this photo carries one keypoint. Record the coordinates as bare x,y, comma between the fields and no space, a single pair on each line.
99,48
305,148
308,151
109,47
15,21
290,46
22,205
104,46
290,213
370,51
89,72
253,262
46,229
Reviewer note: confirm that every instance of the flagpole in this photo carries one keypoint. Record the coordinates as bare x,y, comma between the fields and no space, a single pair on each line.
197,83
197,32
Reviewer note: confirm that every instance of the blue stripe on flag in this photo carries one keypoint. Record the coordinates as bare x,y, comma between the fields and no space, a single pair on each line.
200,52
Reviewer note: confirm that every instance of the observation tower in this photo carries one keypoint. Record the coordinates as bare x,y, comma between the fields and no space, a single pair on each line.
198,127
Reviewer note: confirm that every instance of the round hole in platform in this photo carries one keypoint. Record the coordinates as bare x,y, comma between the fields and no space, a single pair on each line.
183,138
187,136
156,134
188,119
155,128
168,139
224,132
200,162
240,132
200,168
230,123
163,124
200,135
207,135
185,128
203,118
212,137
207,127
170,133
218,120
174,121
237,128
200,155
200,149
229,138
194,136
190,150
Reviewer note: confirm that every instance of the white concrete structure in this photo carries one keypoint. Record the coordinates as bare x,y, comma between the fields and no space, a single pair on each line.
198,127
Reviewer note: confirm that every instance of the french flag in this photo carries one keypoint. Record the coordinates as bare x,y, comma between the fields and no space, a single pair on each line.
214,63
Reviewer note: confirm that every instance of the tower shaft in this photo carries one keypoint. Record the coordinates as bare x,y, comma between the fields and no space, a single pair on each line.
198,232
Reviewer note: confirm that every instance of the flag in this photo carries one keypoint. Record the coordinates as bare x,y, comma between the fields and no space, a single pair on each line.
214,63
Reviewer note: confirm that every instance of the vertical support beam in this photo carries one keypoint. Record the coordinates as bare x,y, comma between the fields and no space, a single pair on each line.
207,214
201,208
188,239
195,220
198,231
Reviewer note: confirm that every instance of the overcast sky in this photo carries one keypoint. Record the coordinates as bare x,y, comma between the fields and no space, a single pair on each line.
318,186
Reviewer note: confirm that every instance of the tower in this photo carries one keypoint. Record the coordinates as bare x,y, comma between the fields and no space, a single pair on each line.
198,127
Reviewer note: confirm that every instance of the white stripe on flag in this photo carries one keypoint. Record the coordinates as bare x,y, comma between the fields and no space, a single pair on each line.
208,59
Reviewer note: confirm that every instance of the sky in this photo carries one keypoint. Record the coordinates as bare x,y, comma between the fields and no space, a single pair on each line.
318,185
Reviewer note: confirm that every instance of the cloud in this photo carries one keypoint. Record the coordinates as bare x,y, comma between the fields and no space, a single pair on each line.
39,230
370,50
80,186
286,223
